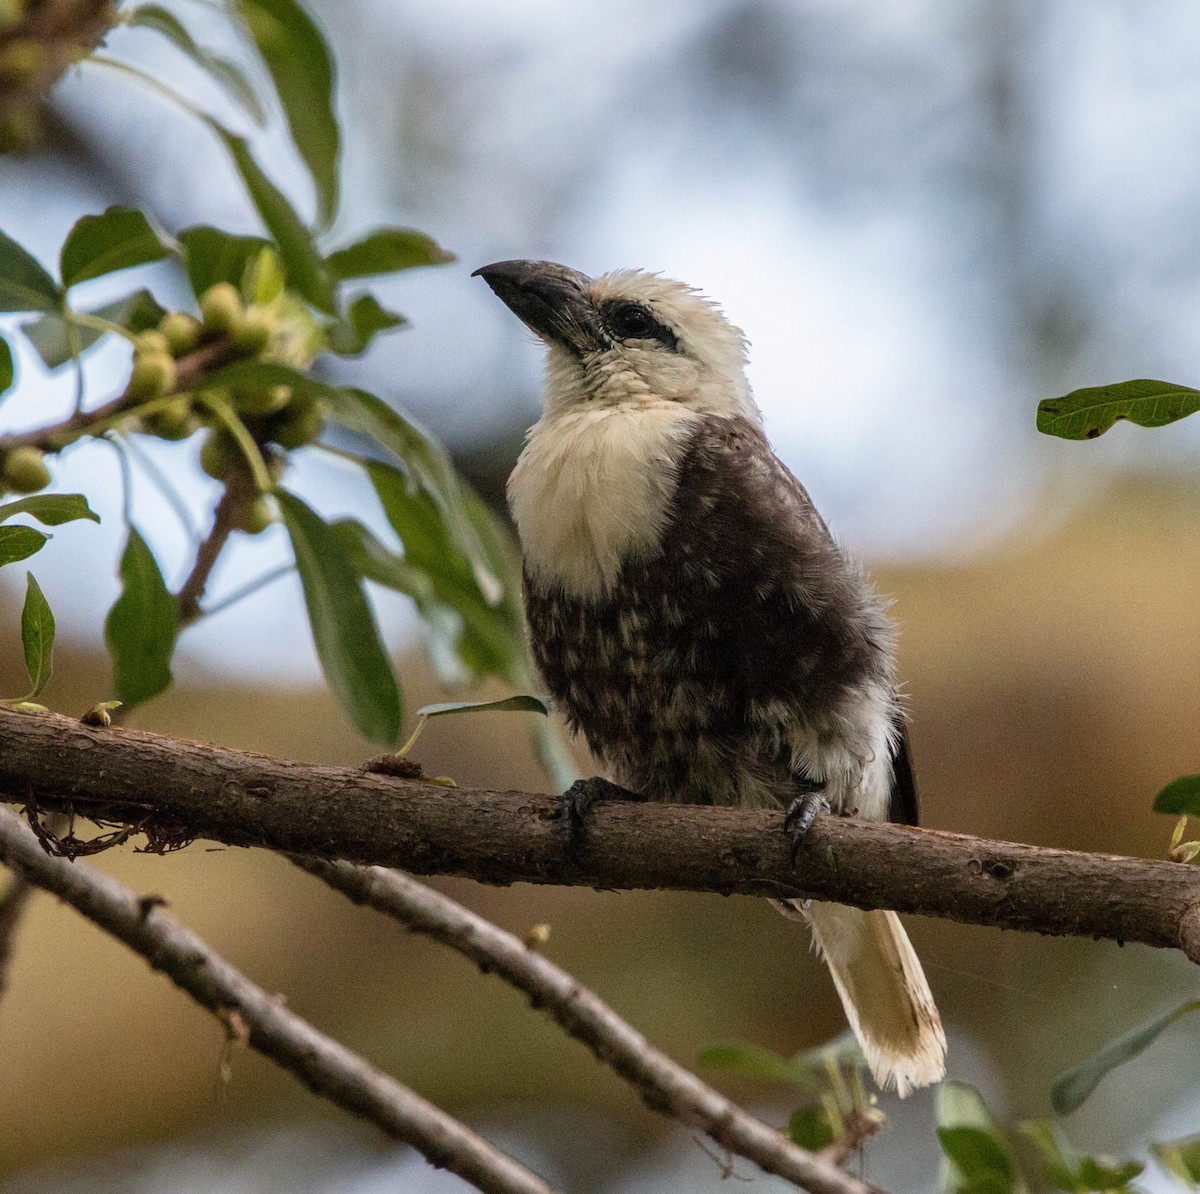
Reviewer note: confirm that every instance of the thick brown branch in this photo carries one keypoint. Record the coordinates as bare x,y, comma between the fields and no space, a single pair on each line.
665,1086
188,789
326,1067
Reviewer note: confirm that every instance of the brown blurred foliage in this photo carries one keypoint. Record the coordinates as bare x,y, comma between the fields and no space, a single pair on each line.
1053,683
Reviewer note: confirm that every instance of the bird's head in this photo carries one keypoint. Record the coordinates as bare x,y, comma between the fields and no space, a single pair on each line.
627,337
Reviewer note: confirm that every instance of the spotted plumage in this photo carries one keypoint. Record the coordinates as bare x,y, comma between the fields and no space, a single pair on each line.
693,672
691,613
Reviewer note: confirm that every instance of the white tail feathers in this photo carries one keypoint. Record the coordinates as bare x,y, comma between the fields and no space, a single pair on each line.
883,990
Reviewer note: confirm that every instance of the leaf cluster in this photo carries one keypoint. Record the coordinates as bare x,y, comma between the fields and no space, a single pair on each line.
237,374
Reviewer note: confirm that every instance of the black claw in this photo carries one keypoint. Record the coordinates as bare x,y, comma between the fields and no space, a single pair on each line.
578,799
800,814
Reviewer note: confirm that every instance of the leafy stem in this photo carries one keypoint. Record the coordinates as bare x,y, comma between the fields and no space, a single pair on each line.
192,369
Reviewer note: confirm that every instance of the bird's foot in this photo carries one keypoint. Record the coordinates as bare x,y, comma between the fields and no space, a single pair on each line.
800,815
578,799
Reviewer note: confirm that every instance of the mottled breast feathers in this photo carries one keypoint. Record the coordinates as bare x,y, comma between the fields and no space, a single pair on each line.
739,653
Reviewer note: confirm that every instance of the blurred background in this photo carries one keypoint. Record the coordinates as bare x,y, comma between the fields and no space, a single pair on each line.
926,216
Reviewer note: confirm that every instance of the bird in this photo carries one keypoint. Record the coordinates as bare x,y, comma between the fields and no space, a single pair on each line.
693,616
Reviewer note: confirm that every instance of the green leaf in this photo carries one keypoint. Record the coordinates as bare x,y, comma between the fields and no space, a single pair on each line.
1073,1087
301,66
226,73
429,542
1075,1174
118,239
37,635
24,285
980,1159
753,1061
448,533
142,626
523,703
1181,795
386,251
19,543
214,256
298,254
50,509
343,625
428,468
810,1128
7,370
137,312
364,320
1181,1158
1085,414
443,624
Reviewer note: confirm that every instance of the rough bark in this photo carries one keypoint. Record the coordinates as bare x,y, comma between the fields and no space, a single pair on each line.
178,790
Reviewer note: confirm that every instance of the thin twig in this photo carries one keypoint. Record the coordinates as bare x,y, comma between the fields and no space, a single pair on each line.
859,1127
243,799
238,495
248,589
328,1068
665,1086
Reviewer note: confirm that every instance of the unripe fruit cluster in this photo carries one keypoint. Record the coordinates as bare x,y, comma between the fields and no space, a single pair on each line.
272,413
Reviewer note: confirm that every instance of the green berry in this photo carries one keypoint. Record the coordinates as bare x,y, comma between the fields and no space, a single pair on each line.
153,376
257,516
221,309
262,400
152,342
25,470
254,333
298,425
176,420
219,455
181,331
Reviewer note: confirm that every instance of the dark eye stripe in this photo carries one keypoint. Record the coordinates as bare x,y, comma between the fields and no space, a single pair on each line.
625,320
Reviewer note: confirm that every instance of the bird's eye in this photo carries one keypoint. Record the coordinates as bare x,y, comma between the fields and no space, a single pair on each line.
630,321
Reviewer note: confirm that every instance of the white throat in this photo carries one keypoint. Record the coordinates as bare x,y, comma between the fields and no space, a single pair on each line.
593,487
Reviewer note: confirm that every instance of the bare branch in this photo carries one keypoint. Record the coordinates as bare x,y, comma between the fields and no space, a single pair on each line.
185,789
324,1066
665,1086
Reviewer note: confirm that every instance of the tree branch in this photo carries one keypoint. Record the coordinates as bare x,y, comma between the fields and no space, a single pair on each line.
178,790
666,1087
322,1064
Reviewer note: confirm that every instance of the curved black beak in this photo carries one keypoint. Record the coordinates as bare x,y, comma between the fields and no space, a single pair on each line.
551,300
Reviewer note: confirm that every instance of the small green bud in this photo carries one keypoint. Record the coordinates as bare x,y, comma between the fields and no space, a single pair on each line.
153,376
174,421
257,516
25,470
300,424
221,309
181,331
219,455
151,343
254,333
